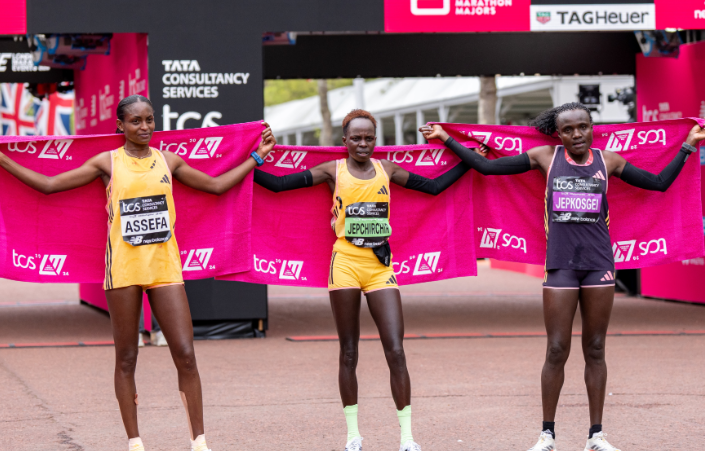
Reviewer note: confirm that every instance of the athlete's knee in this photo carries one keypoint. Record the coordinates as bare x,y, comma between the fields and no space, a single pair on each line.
126,361
184,357
557,353
396,358
348,355
594,350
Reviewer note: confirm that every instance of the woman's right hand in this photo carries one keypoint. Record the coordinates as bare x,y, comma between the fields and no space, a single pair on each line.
434,131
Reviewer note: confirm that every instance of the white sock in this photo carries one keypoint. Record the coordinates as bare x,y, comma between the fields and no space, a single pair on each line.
199,444
135,444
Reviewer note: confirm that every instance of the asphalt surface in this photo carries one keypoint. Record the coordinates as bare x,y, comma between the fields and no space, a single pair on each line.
274,394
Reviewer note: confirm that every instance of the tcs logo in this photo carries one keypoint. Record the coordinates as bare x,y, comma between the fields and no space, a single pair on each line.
50,265
203,148
652,136
53,149
624,250
288,269
426,263
490,239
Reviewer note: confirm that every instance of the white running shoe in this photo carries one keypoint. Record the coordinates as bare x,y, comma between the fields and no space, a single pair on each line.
546,442
598,443
354,444
157,338
410,446
140,340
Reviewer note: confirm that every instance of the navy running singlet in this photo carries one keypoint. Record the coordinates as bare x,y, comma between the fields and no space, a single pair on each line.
577,216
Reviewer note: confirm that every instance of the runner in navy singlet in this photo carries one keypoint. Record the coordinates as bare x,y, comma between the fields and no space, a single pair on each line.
579,260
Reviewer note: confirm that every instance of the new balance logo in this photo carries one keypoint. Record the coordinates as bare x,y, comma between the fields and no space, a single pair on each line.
383,190
392,281
599,175
165,179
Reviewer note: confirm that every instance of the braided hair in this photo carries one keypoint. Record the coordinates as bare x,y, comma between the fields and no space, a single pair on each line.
127,101
547,122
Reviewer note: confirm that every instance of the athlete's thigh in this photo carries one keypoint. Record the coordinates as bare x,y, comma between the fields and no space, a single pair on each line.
125,305
386,310
170,306
560,302
596,309
345,304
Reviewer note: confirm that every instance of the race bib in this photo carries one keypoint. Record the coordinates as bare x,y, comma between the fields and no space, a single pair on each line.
145,220
576,199
367,224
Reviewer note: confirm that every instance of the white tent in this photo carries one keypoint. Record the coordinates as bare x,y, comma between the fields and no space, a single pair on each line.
402,104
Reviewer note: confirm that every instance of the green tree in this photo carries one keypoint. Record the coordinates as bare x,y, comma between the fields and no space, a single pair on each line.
280,91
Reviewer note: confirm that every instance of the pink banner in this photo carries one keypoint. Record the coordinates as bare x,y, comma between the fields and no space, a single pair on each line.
293,238
446,16
109,78
62,237
683,14
647,228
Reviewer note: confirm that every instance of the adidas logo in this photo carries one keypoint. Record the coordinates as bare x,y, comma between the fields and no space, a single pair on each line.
383,190
599,175
154,163
392,280
165,179
607,277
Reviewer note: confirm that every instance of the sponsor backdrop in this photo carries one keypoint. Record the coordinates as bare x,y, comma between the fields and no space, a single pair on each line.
431,239
109,78
443,16
671,88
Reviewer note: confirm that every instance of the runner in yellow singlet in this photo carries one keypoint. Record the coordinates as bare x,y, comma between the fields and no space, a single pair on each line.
138,177
362,259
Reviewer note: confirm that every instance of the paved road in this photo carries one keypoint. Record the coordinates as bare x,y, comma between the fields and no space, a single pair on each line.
273,394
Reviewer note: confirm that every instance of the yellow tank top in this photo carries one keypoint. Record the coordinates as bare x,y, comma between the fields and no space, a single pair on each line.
141,248
360,210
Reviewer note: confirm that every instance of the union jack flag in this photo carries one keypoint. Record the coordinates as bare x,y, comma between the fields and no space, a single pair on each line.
54,115
17,110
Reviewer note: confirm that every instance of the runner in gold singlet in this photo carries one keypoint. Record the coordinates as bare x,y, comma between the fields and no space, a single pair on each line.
362,258
141,253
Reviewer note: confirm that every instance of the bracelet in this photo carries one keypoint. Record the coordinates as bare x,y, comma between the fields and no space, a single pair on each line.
689,148
257,158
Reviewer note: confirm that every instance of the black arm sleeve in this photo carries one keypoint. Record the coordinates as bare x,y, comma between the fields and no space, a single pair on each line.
646,180
439,184
284,183
501,166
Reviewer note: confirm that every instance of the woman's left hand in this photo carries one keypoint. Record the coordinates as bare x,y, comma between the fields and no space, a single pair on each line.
268,141
696,135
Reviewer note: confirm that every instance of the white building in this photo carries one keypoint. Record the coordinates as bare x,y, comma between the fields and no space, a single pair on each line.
401,105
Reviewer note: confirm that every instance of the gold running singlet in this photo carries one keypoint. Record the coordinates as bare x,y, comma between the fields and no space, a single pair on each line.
141,249
361,210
